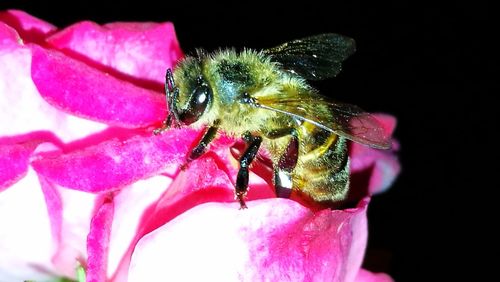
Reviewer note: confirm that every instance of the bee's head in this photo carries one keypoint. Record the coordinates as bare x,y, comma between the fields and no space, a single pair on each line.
203,83
189,101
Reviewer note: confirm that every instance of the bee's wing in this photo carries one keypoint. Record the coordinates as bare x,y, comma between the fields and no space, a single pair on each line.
314,58
345,120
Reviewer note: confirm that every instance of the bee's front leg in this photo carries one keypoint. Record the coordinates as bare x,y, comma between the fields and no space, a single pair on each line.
202,145
165,125
245,161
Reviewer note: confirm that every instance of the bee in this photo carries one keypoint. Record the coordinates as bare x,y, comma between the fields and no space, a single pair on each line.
264,98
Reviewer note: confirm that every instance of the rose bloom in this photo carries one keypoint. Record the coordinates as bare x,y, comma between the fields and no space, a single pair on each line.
84,182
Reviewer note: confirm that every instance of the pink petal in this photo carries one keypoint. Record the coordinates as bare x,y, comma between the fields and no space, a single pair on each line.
78,210
9,38
116,163
205,180
359,229
63,219
14,159
132,204
30,28
367,276
144,206
383,165
140,50
274,240
26,240
98,242
202,182
68,252
54,207
388,122
81,90
24,112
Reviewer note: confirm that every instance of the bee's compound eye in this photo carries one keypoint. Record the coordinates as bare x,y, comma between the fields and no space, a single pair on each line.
198,102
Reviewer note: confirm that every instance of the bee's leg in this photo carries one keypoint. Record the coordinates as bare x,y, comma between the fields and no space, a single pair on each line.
201,147
245,161
283,180
165,125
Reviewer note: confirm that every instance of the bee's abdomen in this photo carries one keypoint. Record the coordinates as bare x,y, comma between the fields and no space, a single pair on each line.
323,168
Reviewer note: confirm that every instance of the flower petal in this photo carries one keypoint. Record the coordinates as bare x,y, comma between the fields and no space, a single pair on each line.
274,240
116,163
367,276
78,210
132,204
383,165
30,28
79,89
98,242
26,241
9,37
14,159
203,181
140,50
20,103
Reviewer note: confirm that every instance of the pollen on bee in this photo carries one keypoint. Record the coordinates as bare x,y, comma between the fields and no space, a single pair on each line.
284,179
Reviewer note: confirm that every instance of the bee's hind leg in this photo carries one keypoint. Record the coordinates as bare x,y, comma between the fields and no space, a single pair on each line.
283,180
246,159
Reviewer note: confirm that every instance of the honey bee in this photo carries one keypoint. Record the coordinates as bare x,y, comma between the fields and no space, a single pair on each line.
264,98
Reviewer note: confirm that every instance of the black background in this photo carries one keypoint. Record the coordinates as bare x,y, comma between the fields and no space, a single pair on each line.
430,66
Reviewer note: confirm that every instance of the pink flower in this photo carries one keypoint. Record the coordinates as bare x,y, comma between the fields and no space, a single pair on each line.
84,181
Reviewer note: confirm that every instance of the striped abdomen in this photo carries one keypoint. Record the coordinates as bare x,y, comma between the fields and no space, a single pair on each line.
322,169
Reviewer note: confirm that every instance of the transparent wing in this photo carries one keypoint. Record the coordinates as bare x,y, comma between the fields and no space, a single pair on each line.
314,58
345,120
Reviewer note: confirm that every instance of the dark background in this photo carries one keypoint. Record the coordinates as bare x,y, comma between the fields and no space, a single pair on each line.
430,66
